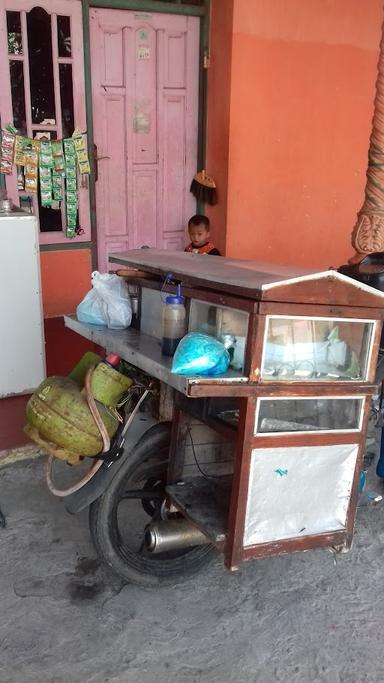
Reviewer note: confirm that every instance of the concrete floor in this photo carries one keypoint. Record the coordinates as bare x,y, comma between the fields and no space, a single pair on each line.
293,619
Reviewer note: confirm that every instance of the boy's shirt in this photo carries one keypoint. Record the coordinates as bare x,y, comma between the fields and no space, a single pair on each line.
207,248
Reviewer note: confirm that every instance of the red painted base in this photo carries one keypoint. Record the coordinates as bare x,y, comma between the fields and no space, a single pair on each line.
63,349
12,419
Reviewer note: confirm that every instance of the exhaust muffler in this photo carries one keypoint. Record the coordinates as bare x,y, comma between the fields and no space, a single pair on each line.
172,534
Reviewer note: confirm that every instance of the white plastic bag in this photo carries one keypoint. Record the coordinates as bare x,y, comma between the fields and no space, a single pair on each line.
107,303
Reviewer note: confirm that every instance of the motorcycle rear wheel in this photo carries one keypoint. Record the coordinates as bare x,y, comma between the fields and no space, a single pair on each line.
118,518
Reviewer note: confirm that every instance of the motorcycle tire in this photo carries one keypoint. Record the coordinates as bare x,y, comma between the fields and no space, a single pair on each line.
120,542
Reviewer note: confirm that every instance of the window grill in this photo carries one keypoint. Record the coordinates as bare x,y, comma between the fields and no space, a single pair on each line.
41,69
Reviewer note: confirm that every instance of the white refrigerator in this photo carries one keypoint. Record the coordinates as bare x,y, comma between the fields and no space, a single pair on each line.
22,351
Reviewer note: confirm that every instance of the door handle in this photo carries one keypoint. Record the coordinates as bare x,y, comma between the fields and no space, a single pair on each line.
96,160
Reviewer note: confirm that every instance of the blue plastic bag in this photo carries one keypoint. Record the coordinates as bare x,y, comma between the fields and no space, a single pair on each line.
200,354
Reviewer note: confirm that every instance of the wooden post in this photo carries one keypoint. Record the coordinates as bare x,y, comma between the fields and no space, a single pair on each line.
368,233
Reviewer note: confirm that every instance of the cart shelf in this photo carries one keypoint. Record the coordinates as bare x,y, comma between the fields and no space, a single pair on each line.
204,502
144,352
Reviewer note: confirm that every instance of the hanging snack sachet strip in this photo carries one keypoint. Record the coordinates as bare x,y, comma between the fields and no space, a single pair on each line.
45,185
71,220
57,186
70,158
20,145
7,151
46,157
71,200
69,150
81,152
71,186
31,166
58,156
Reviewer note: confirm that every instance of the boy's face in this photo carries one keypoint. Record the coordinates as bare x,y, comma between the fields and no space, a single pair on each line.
199,234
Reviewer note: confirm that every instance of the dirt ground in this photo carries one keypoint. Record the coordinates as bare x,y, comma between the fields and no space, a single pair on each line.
292,619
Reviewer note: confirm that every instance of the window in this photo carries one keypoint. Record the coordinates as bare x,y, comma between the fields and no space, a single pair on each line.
42,65
308,414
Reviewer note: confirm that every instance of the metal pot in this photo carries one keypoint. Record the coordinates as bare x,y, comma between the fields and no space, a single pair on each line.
6,205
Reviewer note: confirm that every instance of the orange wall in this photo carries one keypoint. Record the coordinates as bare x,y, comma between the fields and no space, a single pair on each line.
66,278
219,83
301,101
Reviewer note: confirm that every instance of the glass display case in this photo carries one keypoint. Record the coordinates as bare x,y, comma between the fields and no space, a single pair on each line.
228,325
302,348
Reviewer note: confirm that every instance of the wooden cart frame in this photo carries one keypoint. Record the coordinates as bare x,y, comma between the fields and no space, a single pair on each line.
261,292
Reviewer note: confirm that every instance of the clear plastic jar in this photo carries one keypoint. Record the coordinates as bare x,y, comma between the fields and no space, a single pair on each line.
173,322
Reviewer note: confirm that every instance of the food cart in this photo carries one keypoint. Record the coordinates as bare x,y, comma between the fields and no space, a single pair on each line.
261,460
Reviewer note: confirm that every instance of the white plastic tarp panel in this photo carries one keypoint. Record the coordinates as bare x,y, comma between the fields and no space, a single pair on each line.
298,491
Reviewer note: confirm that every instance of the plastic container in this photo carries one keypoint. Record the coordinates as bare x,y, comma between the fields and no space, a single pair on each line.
59,413
173,322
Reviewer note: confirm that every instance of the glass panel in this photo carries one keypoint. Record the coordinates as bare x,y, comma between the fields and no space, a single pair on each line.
14,33
227,324
26,203
225,409
309,414
298,491
16,70
66,94
40,66
50,218
64,36
316,349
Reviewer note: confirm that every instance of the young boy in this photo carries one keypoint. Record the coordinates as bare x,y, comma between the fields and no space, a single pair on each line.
198,228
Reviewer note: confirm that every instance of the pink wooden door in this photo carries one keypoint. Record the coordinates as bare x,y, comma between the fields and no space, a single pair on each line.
145,107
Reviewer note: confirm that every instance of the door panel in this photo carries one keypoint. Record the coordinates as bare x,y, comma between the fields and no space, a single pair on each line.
114,185
145,108
174,179
144,207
